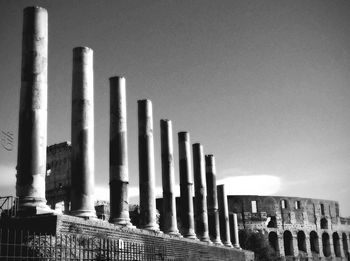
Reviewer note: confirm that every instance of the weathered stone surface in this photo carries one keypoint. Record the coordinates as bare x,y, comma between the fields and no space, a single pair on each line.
118,153
234,229
168,177
201,214
186,186
212,200
223,216
82,163
32,129
148,218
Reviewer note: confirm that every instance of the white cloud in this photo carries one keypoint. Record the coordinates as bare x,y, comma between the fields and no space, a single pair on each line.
251,185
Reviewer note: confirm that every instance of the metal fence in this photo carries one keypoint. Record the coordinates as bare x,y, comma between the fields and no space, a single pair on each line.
8,206
20,245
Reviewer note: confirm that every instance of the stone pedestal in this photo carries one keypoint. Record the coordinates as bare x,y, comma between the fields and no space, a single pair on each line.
223,214
82,163
186,186
201,214
32,129
148,219
118,154
168,178
212,200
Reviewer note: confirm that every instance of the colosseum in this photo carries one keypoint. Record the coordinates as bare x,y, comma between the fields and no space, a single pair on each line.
296,227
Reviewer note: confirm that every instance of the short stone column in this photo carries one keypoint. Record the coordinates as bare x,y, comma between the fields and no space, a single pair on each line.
168,178
186,186
234,229
82,161
223,216
201,212
212,200
32,129
148,218
118,154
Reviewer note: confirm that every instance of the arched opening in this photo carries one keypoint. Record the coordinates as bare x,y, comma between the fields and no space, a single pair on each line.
336,244
314,242
326,245
288,243
345,246
324,223
301,241
273,240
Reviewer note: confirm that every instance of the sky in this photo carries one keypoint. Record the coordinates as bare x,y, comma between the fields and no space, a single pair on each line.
263,85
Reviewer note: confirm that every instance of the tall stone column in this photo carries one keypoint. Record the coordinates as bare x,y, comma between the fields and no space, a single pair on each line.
32,129
212,200
234,228
201,214
118,154
223,214
186,186
168,178
148,219
82,165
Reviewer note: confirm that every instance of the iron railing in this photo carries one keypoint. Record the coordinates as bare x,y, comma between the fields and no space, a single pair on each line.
8,206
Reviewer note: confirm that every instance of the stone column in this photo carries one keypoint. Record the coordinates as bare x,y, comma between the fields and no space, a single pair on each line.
201,214
32,129
212,200
234,229
168,178
223,214
148,219
82,165
186,186
118,154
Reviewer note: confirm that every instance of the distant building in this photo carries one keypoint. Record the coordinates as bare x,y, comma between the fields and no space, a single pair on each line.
298,227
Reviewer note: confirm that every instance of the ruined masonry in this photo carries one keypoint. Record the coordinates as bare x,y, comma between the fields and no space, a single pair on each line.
118,238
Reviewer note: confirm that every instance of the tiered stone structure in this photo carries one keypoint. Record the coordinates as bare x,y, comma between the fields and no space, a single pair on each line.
296,227
83,176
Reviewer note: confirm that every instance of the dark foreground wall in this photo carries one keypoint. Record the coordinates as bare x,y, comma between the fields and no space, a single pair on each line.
157,246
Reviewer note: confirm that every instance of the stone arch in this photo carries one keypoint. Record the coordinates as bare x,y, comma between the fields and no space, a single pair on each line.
336,244
314,242
273,240
270,204
288,243
326,245
301,241
324,223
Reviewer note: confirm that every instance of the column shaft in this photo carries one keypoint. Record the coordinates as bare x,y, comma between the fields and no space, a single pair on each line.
186,186
223,214
168,177
234,228
32,129
118,154
82,191
201,214
212,200
148,219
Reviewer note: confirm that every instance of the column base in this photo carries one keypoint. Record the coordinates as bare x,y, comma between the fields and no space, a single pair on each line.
125,222
173,233
216,242
87,214
30,206
227,244
154,228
